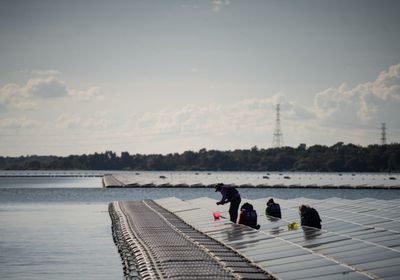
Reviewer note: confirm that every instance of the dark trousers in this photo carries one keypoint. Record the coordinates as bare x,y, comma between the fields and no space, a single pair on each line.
234,208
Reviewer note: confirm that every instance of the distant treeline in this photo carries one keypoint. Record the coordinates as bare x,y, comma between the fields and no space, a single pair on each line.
337,158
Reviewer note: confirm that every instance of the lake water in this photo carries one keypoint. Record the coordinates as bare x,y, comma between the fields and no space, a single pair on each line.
59,228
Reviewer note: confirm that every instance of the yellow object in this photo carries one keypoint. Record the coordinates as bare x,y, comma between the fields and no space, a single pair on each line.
293,226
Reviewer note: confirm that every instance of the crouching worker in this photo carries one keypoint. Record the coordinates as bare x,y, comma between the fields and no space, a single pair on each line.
309,217
229,194
273,209
248,216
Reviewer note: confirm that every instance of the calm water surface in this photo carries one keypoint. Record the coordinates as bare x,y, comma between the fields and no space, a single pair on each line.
59,228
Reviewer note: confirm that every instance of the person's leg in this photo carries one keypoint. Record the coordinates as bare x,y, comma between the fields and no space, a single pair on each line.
233,209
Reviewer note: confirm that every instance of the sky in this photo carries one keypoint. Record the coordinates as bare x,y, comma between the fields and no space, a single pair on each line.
78,77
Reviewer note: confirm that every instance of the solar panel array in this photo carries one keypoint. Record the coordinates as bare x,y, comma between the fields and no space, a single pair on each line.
252,179
359,239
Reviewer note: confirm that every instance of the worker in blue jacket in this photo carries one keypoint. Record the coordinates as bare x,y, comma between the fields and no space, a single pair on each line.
273,209
229,194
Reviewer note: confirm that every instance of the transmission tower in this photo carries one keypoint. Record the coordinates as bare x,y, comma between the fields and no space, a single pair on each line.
383,134
277,140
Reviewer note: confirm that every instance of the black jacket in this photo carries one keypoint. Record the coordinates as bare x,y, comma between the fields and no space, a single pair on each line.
311,218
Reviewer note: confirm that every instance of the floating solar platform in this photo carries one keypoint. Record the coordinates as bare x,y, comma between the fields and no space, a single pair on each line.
251,180
155,244
359,239
50,173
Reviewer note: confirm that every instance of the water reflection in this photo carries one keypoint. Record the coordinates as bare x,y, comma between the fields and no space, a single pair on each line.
235,233
276,230
311,233
57,241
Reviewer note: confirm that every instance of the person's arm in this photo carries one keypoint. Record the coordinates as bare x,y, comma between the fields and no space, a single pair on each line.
268,211
240,217
279,214
224,199
302,219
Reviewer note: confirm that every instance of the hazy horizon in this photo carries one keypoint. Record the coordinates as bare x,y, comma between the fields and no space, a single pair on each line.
158,77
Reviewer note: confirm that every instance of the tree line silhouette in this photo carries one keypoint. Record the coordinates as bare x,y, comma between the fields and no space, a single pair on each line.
337,158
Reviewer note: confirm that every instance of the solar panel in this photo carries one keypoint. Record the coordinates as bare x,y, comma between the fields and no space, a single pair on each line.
348,236
307,273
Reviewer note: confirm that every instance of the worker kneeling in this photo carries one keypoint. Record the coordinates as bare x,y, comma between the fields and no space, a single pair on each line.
248,216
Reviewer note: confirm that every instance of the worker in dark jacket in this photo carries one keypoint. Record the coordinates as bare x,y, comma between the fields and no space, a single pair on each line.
248,216
229,194
309,217
273,209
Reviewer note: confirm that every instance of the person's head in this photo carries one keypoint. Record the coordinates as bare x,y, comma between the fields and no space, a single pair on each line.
246,206
270,201
218,187
303,208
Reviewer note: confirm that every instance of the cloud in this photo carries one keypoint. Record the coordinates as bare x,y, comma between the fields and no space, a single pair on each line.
218,4
369,102
49,87
74,121
17,123
245,116
13,96
22,97
292,110
68,121
98,123
87,95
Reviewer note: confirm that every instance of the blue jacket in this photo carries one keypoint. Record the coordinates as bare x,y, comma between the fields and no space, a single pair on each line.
273,210
249,218
228,194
